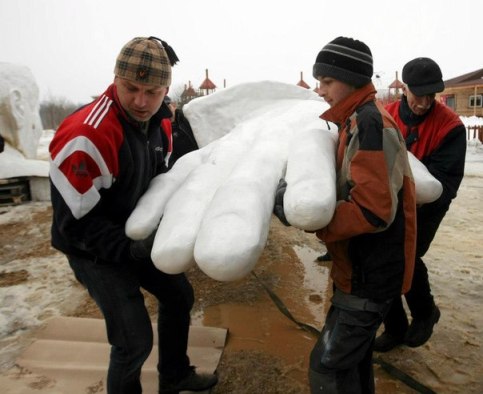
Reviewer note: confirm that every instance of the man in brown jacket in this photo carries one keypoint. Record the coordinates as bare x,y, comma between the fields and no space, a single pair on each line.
372,236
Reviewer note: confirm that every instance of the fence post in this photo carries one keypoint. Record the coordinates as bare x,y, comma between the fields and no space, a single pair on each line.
473,132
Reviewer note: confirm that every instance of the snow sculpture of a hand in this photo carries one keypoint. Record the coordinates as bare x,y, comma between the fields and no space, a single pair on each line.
216,202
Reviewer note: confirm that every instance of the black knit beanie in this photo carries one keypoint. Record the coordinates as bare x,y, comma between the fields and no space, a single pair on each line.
346,60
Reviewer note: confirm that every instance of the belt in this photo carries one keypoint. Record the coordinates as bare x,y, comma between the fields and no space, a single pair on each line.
354,303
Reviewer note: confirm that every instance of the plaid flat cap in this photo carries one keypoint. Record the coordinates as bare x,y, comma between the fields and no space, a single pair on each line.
144,60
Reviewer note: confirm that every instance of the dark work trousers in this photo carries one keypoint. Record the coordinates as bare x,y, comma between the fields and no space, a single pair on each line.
116,288
341,360
419,298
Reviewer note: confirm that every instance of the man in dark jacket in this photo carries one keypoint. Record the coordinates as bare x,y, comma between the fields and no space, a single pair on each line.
183,138
103,159
376,208
437,137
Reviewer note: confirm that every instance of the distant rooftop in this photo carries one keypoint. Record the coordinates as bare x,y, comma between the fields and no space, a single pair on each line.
302,83
396,84
469,79
207,83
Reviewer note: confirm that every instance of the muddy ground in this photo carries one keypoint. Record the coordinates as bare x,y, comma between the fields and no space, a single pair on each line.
265,351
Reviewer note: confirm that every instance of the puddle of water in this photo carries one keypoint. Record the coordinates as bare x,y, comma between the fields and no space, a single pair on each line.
260,326
316,280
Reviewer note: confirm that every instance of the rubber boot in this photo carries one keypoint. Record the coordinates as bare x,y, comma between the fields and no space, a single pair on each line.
322,382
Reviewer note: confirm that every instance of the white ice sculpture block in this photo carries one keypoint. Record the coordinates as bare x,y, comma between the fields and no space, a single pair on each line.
150,207
232,236
20,123
310,198
235,227
428,188
216,203
227,196
175,239
215,115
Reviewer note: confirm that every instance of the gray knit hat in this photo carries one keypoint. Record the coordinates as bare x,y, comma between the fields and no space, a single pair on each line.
346,60
147,60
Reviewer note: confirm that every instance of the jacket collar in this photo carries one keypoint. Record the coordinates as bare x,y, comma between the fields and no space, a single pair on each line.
344,109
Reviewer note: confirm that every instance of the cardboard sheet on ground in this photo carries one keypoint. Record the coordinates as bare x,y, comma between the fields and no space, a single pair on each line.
70,356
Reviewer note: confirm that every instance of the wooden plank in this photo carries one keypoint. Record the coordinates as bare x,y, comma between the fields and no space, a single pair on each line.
14,191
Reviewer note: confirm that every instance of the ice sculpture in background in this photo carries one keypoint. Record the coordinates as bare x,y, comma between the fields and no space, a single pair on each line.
20,124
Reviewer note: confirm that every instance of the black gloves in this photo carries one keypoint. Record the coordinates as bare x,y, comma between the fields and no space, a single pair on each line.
278,207
141,249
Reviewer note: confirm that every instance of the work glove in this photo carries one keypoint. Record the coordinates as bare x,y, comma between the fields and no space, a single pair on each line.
278,207
141,249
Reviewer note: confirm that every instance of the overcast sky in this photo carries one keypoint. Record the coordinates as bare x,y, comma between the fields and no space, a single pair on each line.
71,45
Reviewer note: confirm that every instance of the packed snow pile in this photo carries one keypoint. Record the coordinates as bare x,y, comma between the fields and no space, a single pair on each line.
471,121
214,207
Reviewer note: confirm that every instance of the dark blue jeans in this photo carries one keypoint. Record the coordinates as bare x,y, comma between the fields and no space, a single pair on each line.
116,288
341,360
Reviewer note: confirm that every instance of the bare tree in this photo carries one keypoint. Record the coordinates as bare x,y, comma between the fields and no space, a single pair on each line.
54,110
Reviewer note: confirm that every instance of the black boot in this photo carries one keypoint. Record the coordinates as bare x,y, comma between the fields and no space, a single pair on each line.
322,383
420,330
324,257
191,382
386,342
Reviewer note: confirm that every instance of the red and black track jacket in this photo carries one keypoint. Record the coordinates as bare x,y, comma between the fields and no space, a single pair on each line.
101,164
372,235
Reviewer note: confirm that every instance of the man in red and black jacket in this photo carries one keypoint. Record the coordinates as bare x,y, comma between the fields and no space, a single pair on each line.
437,137
103,158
